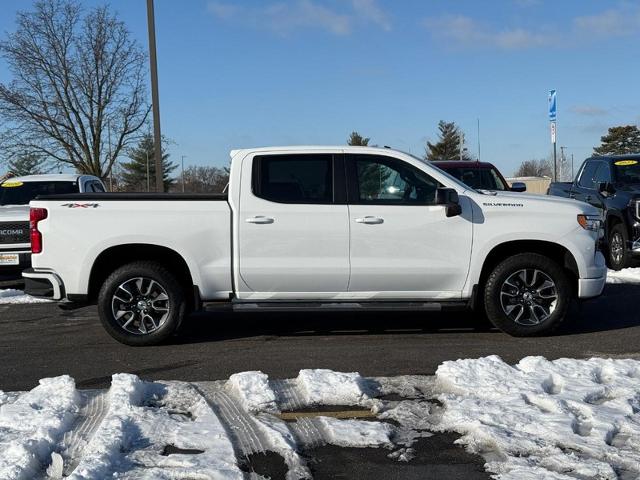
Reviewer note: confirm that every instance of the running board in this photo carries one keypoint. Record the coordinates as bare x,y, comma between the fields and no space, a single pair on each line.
338,306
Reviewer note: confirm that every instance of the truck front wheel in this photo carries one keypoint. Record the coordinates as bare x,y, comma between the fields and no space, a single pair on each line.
527,294
141,303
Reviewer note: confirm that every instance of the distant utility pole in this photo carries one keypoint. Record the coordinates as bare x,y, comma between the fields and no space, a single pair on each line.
478,139
182,174
563,163
157,137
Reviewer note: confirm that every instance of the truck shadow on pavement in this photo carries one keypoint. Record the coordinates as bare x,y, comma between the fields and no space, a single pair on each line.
616,309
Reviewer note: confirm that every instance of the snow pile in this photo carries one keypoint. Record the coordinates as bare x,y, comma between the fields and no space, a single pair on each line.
627,275
31,426
355,433
116,431
254,391
557,419
12,296
326,387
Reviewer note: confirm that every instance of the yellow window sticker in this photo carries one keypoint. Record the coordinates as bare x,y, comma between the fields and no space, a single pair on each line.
10,184
626,163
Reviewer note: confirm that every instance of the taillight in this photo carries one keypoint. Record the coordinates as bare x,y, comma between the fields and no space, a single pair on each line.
35,215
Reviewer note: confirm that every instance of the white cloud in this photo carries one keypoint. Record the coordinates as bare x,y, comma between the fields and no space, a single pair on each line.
465,31
620,22
370,11
588,110
285,17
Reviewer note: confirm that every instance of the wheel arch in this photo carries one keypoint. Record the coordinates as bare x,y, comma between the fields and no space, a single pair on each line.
558,253
117,256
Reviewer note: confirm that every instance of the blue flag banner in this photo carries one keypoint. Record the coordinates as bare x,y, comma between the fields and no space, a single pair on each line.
552,105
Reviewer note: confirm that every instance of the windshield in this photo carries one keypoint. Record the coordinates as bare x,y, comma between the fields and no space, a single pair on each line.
627,171
478,178
18,193
453,179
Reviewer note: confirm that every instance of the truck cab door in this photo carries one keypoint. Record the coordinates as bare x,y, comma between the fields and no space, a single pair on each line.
585,188
292,227
402,244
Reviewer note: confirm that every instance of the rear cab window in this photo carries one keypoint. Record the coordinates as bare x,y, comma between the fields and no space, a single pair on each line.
19,193
478,178
294,178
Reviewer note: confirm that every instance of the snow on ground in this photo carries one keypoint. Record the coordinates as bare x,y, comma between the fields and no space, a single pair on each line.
12,296
558,419
561,419
33,424
627,275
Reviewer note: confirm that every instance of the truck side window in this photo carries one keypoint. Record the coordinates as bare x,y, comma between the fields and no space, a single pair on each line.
388,181
296,178
603,174
587,175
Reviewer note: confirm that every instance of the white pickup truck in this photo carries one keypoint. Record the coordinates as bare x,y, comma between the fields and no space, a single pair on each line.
317,227
15,195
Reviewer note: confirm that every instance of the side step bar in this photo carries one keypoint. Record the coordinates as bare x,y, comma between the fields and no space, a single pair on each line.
337,306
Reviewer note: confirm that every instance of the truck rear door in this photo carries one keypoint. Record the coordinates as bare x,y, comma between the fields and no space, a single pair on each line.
293,227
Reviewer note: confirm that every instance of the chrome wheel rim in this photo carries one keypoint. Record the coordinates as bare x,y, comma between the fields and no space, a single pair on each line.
528,296
617,248
140,306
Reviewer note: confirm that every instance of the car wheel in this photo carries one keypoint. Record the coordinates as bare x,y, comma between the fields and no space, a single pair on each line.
618,251
527,294
141,303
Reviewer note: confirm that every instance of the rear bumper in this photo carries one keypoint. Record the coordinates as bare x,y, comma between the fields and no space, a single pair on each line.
43,284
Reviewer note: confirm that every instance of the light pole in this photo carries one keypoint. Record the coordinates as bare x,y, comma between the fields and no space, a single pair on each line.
157,137
183,173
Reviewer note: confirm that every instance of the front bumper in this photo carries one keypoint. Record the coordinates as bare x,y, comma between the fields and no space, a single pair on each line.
43,284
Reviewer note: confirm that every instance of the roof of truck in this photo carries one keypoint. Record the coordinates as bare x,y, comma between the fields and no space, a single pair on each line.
57,177
463,163
298,148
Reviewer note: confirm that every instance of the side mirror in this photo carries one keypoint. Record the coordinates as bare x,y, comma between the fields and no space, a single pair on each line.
518,187
449,198
606,189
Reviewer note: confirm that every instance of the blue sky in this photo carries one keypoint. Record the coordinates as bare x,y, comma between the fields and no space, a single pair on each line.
238,74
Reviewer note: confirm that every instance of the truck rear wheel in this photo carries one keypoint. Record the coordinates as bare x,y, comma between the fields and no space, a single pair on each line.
141,303
527,294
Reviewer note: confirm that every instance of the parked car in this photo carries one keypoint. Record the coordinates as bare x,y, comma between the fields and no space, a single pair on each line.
612,185
317,228
15,195
479,175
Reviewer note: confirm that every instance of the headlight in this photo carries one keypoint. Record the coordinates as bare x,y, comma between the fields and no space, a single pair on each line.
590,222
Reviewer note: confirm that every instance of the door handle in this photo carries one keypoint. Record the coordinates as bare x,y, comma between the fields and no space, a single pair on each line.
587,198
370,220
259,219
572,195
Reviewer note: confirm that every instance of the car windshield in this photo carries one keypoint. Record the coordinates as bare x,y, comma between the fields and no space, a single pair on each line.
627,172
19,193
453,179
478,178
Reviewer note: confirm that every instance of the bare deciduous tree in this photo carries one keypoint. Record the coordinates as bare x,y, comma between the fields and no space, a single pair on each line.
204,179
76,76
535,168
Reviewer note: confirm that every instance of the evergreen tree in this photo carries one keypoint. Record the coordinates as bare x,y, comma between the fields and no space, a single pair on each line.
134,174
621,140
448,146
355,139
29,164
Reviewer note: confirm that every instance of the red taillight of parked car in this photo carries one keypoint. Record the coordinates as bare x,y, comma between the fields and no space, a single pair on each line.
35,215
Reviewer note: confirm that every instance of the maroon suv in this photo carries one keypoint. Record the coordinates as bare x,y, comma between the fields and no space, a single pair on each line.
479,175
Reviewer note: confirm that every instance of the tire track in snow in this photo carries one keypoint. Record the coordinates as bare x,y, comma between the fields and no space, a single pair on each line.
93,411
240,424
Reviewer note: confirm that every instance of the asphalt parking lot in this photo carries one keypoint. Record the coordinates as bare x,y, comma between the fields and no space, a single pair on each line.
41,340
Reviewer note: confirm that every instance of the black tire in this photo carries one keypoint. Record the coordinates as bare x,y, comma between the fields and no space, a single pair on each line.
129,276
508,273
618,249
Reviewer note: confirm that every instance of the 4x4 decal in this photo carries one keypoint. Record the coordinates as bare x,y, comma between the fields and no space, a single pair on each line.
80,205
